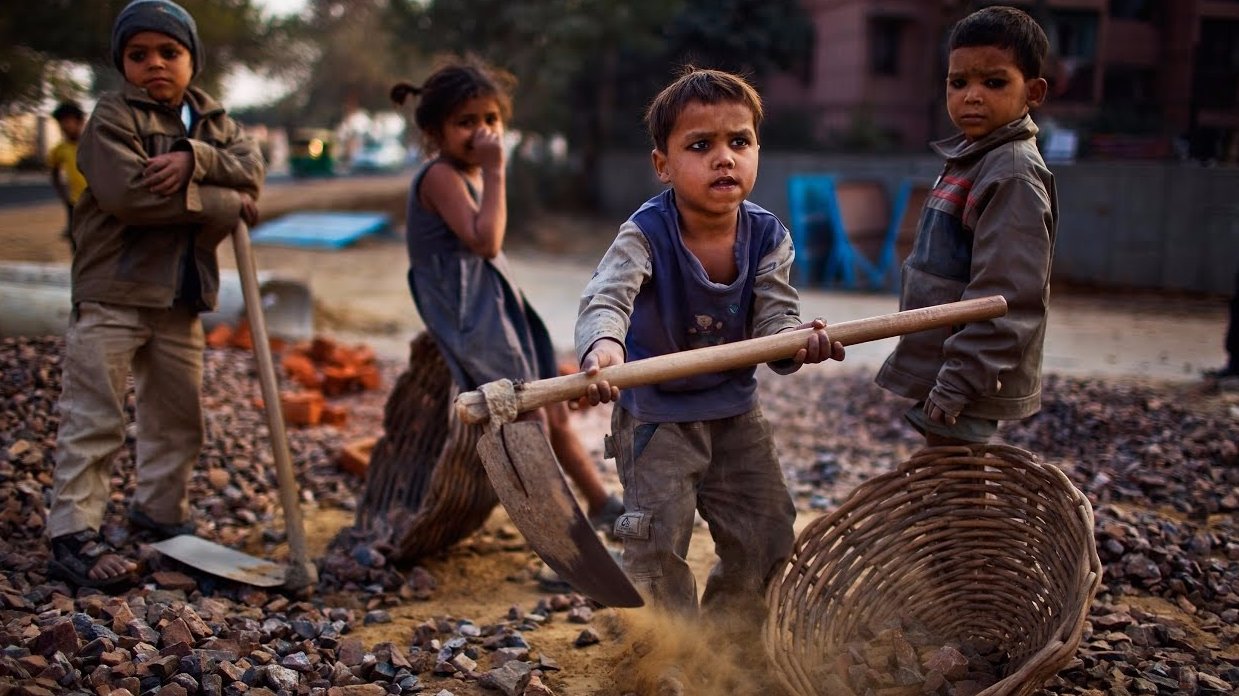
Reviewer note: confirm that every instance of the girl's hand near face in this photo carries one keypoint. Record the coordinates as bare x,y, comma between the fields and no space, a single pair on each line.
488,144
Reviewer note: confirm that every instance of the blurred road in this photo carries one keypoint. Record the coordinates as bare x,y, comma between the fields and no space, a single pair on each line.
361,293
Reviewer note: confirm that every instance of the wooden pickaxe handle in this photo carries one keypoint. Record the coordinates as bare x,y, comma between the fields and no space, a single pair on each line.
471,406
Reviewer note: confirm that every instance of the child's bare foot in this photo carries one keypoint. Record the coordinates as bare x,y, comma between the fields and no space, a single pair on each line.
85,560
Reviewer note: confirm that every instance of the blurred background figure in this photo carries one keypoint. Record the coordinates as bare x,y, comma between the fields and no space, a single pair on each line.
62,159
1228,374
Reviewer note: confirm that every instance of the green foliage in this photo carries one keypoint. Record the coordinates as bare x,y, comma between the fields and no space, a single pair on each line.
588,68
342,54
744,36
40,40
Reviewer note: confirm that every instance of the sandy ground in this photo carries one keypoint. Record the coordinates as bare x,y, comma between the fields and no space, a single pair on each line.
360,295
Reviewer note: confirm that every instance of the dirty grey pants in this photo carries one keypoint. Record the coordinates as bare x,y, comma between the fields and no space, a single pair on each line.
727,470
104,342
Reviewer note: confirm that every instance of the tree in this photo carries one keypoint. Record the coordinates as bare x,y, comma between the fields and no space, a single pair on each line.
38,42
343,54
587,68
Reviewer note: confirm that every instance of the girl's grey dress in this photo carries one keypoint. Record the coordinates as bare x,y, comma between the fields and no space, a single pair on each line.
470,304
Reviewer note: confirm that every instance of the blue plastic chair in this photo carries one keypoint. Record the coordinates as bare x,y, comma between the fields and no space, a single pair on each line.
815,234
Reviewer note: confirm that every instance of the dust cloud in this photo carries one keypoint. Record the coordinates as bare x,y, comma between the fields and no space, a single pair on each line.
667,654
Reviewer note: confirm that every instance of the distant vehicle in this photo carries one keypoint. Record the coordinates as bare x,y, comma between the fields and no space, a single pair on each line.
380,155
312,152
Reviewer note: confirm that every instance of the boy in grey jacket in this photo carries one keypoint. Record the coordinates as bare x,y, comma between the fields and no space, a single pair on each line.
168,174
987,228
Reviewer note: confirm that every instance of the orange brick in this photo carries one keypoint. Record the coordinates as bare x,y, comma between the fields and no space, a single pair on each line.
220,336
322,349
302,408
340,357
369,378
354,457
339,380
241,338
334,414
301,370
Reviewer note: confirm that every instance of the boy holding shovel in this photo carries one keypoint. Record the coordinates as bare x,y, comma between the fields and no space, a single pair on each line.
698,265
168,174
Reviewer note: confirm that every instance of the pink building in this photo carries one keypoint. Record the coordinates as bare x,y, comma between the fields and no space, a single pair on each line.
1160,68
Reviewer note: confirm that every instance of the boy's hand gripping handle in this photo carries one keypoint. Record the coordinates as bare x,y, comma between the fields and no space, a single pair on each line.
472,408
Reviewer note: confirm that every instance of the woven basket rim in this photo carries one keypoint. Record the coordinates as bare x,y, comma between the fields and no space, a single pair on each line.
987,479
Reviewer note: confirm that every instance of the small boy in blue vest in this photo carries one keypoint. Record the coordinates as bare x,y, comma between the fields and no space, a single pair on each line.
698,265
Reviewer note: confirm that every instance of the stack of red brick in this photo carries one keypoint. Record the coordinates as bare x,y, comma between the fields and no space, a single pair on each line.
320,369
324,368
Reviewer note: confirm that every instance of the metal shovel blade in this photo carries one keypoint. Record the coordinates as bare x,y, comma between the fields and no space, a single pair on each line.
526,477
220,560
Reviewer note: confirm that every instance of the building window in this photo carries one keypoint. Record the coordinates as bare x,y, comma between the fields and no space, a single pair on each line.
1073,41
1141,10
1128,86
1216,83
885,36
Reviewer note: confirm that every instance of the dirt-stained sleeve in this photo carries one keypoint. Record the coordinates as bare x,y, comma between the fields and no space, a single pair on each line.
776,304
1011,254
112,157
607,301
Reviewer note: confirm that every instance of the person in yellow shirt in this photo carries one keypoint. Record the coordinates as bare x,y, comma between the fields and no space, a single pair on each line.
66,179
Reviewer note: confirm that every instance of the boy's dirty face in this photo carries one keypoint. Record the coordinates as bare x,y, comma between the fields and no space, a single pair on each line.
71,127
986,90
711,158
159,64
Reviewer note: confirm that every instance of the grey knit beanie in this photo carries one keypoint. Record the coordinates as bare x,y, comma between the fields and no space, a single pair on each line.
163,16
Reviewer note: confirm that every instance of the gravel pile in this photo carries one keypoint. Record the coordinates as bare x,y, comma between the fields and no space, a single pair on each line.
1163,477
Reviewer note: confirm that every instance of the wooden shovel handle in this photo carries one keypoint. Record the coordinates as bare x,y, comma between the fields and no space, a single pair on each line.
471,406
301,573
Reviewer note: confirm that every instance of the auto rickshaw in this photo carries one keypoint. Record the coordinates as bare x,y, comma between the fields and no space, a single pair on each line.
312,152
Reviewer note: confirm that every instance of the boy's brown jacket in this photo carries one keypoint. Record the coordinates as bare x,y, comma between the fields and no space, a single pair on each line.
987,228
137,248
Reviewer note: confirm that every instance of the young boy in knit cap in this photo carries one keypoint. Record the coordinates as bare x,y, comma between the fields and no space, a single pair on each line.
168,174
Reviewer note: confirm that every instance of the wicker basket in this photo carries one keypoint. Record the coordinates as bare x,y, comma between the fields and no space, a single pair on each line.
982,543
426,488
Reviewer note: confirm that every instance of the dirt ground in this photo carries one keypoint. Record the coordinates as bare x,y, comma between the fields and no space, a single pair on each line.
361,295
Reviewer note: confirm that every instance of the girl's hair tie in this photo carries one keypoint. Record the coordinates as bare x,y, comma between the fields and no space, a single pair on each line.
401,91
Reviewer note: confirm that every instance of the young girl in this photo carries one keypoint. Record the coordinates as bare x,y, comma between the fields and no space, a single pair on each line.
458,273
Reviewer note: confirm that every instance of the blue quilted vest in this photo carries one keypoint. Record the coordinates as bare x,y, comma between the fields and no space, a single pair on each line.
680,308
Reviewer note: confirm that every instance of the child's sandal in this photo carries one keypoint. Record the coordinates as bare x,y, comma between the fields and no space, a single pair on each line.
75,555
162,530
